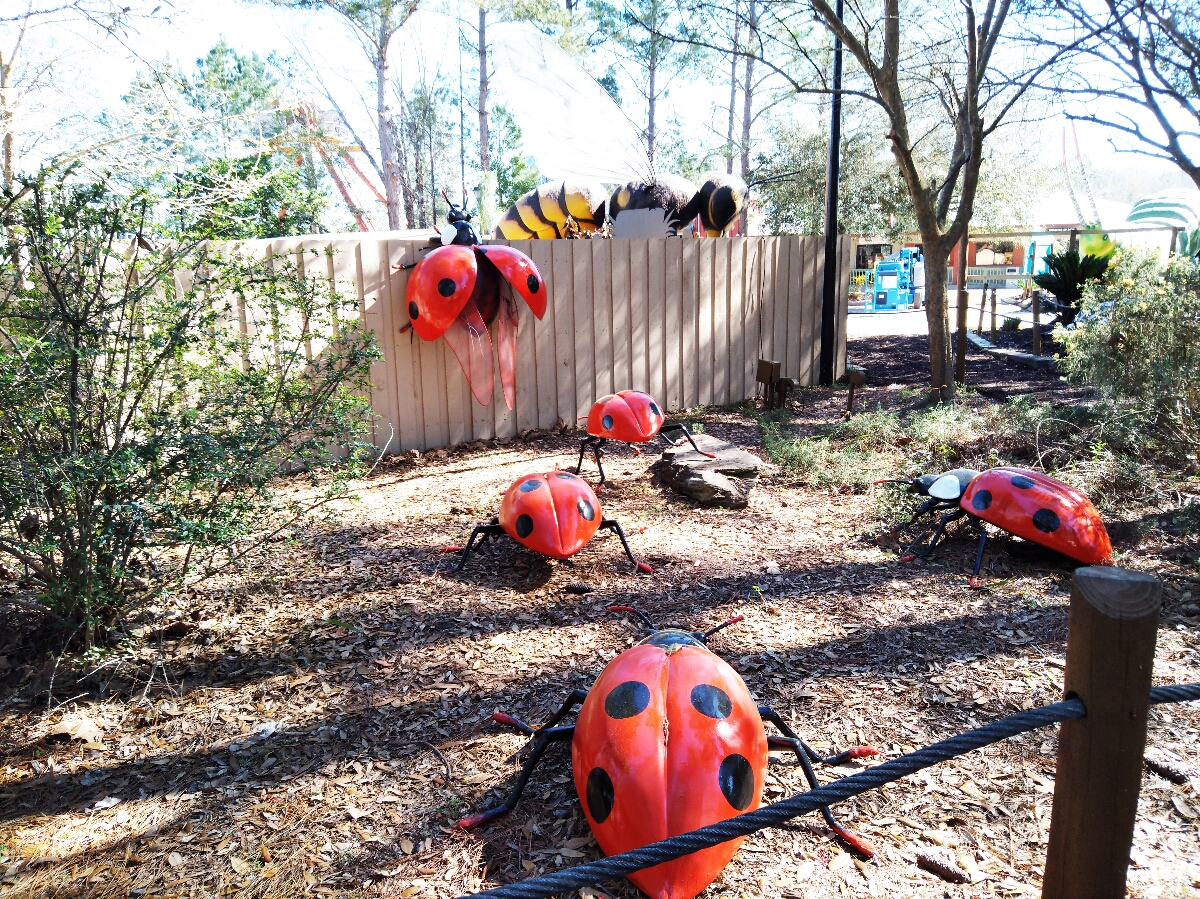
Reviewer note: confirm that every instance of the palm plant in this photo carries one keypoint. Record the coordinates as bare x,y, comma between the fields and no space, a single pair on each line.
1065,275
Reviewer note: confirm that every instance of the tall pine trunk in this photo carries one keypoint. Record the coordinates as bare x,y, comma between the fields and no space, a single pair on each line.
733,67
485,152
387,137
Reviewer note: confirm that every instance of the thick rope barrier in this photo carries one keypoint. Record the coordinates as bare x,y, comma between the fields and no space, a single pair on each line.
647,856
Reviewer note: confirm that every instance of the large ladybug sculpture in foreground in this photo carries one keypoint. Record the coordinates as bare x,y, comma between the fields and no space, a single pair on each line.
1026,503
456,292
629,416
554,513
668,740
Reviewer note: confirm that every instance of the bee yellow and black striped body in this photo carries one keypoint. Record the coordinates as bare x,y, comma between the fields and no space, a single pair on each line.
719,202
543,213
672,193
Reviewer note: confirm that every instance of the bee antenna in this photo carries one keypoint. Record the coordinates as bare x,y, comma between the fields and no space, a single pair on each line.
646,621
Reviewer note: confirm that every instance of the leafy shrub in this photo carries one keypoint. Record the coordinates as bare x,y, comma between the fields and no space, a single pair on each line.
1065,277
140,425
1139,339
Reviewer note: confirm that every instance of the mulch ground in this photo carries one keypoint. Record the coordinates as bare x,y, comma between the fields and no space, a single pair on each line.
314,724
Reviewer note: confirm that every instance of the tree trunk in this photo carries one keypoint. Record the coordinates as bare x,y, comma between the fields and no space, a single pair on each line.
485,152
387,142
653,98
748,108
941,363
737,24
6,124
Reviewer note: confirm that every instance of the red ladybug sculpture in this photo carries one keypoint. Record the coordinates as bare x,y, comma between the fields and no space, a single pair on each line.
1026,503
668,740
455,292
554,513
629,416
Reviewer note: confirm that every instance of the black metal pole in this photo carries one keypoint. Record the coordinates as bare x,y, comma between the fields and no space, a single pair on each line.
832,174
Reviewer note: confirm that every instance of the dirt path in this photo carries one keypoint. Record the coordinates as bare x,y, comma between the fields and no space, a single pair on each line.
316,725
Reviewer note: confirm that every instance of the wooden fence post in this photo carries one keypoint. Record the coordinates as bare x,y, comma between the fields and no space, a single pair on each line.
1112,627
993,328
1037,323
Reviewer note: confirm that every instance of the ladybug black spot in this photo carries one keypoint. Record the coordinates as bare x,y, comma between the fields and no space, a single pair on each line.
564,476
586,510
446,287
531,484
627,699
1021,482
737,781
711,701
524,525
1046,521
654,409
533,283
600,795
413,310
607,421
981,500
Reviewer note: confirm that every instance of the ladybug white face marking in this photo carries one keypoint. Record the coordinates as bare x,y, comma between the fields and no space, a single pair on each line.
736,778
599,795
947,486
627,699
711,701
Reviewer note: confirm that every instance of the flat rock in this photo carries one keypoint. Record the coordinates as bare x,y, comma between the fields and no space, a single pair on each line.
721,481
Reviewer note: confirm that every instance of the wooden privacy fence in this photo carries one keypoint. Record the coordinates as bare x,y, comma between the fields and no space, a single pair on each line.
684,320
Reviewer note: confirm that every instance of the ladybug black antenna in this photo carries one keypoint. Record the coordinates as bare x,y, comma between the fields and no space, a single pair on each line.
646,621
724,624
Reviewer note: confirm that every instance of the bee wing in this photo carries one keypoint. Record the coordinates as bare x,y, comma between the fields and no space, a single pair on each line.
472,345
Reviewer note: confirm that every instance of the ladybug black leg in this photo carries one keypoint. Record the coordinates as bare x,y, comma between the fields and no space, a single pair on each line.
804,753
938,533
595,443
609,524
481,531
551,735
979,553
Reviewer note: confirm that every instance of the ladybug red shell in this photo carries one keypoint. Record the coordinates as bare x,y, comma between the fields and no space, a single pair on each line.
668,740
629,416
455,292
554,513
1039,508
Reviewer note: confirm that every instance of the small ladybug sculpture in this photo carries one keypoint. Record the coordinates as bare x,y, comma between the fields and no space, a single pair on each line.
668,740
455,292
554,513
629,417
1026,503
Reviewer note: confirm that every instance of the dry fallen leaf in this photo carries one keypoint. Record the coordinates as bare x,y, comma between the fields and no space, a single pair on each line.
406,846
239,866
356,813
174,859
78,727
1183,808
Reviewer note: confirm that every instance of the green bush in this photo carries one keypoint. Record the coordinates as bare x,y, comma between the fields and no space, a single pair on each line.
140,425
1138,338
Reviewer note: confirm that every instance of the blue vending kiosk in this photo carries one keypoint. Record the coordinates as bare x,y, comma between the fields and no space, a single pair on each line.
899,281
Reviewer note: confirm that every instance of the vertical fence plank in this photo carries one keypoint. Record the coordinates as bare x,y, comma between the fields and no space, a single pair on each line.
796,298
562,297
737,319
629,321
602,314
720,320
540,251
704,320
346,274
691,323
585,347
405,353
815,275
378,314
751,305
845,245
526,402
672,338
783,277
639,320
654,254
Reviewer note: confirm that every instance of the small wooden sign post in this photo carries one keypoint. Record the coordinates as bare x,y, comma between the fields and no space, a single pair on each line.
1111,631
